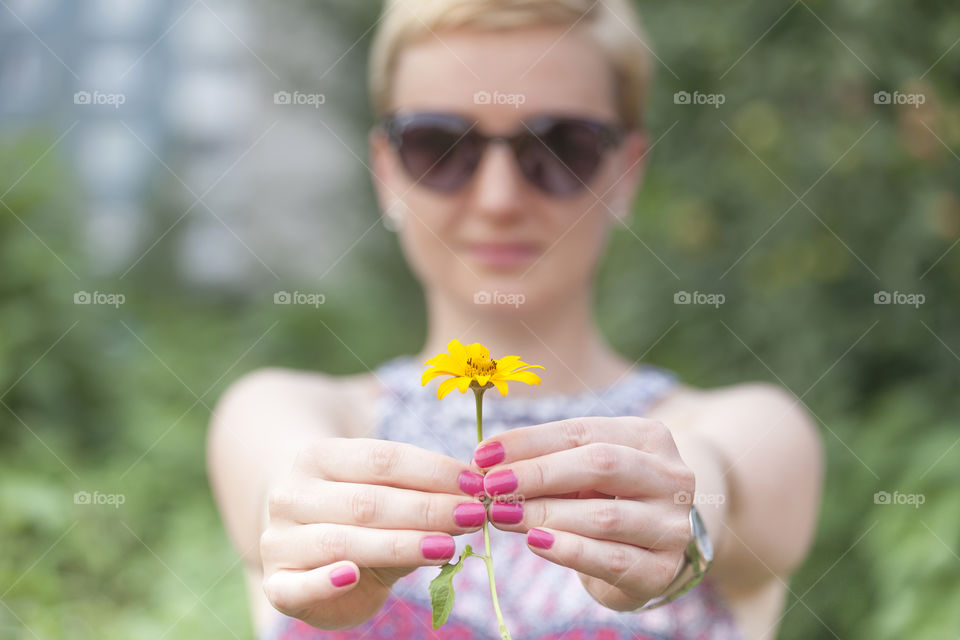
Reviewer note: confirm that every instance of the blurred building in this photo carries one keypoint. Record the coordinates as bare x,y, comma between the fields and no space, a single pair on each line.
169,106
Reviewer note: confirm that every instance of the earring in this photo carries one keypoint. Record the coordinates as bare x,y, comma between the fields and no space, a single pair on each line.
394,215
620,214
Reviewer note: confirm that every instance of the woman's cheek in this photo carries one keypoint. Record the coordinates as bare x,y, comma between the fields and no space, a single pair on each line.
577,254
432,260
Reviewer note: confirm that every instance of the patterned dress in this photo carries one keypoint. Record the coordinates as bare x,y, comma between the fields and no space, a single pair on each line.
540,600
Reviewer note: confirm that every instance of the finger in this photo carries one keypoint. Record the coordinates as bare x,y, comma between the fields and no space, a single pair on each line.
629,521
377,507
537,440
395,464
474,468
313,545
291,592
612,469
636,571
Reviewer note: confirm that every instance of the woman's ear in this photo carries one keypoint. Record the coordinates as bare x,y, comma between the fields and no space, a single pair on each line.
630,171
393,209
636,146
381,167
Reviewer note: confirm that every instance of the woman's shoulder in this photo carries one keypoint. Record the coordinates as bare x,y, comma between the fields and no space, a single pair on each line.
686,404
340,400
304,383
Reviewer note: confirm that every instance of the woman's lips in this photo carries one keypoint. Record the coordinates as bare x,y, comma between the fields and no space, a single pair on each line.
503,254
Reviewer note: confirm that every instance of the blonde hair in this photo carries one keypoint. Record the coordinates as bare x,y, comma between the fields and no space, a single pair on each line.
613,25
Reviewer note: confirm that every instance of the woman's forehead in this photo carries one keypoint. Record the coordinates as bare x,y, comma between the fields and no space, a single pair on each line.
517,72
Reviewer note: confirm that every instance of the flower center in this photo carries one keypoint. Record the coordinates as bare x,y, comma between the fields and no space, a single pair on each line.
481,367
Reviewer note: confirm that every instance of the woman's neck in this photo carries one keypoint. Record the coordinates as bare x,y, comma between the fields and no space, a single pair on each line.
563,337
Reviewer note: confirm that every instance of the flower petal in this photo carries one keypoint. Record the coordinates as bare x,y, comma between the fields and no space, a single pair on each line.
500,385
458,352
430,374
517,365
527,377
478,352
523,368
508,363
449,385
482,380
447,362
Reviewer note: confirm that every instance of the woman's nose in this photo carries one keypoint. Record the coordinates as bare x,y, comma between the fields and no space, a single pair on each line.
498,183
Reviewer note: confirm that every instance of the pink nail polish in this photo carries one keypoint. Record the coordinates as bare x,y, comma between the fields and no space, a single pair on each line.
506,512
469,514
436,547
489,454
470,483
539,538
500,482
343,576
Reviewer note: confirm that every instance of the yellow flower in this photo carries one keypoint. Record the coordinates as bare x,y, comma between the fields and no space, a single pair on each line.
471,366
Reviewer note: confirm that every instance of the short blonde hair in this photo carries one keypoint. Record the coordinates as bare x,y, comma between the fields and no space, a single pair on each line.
612,24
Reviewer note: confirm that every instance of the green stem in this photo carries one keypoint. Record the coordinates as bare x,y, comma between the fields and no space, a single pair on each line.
488,559
478,394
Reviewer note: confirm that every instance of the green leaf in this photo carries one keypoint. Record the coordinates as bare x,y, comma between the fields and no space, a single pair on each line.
441,589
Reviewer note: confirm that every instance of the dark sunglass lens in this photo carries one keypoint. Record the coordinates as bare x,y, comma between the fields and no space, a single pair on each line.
438,156
563,156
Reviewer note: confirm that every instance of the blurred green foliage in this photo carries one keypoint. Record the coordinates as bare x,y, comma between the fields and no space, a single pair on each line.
116,400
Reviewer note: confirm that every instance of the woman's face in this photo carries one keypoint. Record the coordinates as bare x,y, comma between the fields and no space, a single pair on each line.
499,233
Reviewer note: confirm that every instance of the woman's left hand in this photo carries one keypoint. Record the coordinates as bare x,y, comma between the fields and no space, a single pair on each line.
612,496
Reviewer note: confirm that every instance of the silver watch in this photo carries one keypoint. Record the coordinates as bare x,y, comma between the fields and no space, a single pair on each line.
698,555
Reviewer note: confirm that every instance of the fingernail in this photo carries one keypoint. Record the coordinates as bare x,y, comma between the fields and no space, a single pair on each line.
489,454
539,538
469,514
342,576
500,482
436,547
470,483
506,512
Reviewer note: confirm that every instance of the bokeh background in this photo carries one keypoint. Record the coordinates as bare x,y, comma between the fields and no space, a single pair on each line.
156,194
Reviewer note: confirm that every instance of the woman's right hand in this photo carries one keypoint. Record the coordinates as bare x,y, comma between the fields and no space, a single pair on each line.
361,513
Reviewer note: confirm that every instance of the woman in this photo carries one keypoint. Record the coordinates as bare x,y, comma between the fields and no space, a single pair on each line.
509,146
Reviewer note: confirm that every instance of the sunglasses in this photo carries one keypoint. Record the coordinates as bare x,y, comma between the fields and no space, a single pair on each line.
558,155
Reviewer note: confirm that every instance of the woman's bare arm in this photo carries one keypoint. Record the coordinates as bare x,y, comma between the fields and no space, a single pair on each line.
756,448
258,427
